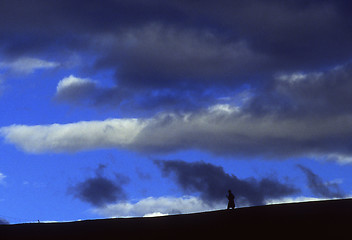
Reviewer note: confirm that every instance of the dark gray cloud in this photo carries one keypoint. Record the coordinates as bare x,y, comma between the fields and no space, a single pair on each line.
130,102
318,187
159,56
227,131
100,190
213,183
180,45
293,27
315,94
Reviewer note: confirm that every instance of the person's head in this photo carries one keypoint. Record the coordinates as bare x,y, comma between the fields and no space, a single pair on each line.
229,190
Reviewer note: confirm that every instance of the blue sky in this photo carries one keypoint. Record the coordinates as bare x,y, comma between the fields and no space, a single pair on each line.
116,108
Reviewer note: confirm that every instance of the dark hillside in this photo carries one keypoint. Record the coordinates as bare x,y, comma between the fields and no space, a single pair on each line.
331,219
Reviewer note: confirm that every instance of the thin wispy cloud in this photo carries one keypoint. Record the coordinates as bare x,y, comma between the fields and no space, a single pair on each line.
27,65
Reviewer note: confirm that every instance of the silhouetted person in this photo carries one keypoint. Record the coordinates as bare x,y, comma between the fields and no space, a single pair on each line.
231,199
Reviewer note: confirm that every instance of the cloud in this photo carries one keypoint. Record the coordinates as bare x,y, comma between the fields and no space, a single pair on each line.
99,190
73,137
223,130
74,89
301,114
27,65
294,200
156,206
316,94
281,30
158,56
213,183
160,206
238,133
155,65
72,82
85,91
319,187
158,46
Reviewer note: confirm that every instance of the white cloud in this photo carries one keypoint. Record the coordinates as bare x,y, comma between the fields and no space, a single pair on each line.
294,200
292,78
75,89
220,108
74,136
72,81
157,207
27,65
339,158
155,214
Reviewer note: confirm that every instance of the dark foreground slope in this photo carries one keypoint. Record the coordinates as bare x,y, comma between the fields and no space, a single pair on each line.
331,219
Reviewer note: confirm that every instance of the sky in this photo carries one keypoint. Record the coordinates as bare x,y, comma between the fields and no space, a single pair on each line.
143,108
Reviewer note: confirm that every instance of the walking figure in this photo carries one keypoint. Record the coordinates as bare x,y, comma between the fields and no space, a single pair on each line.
231,199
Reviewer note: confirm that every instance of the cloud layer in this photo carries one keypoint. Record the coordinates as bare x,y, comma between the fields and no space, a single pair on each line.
188,49
190,64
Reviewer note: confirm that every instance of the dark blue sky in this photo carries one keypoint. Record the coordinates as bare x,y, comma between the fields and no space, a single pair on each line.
134,108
